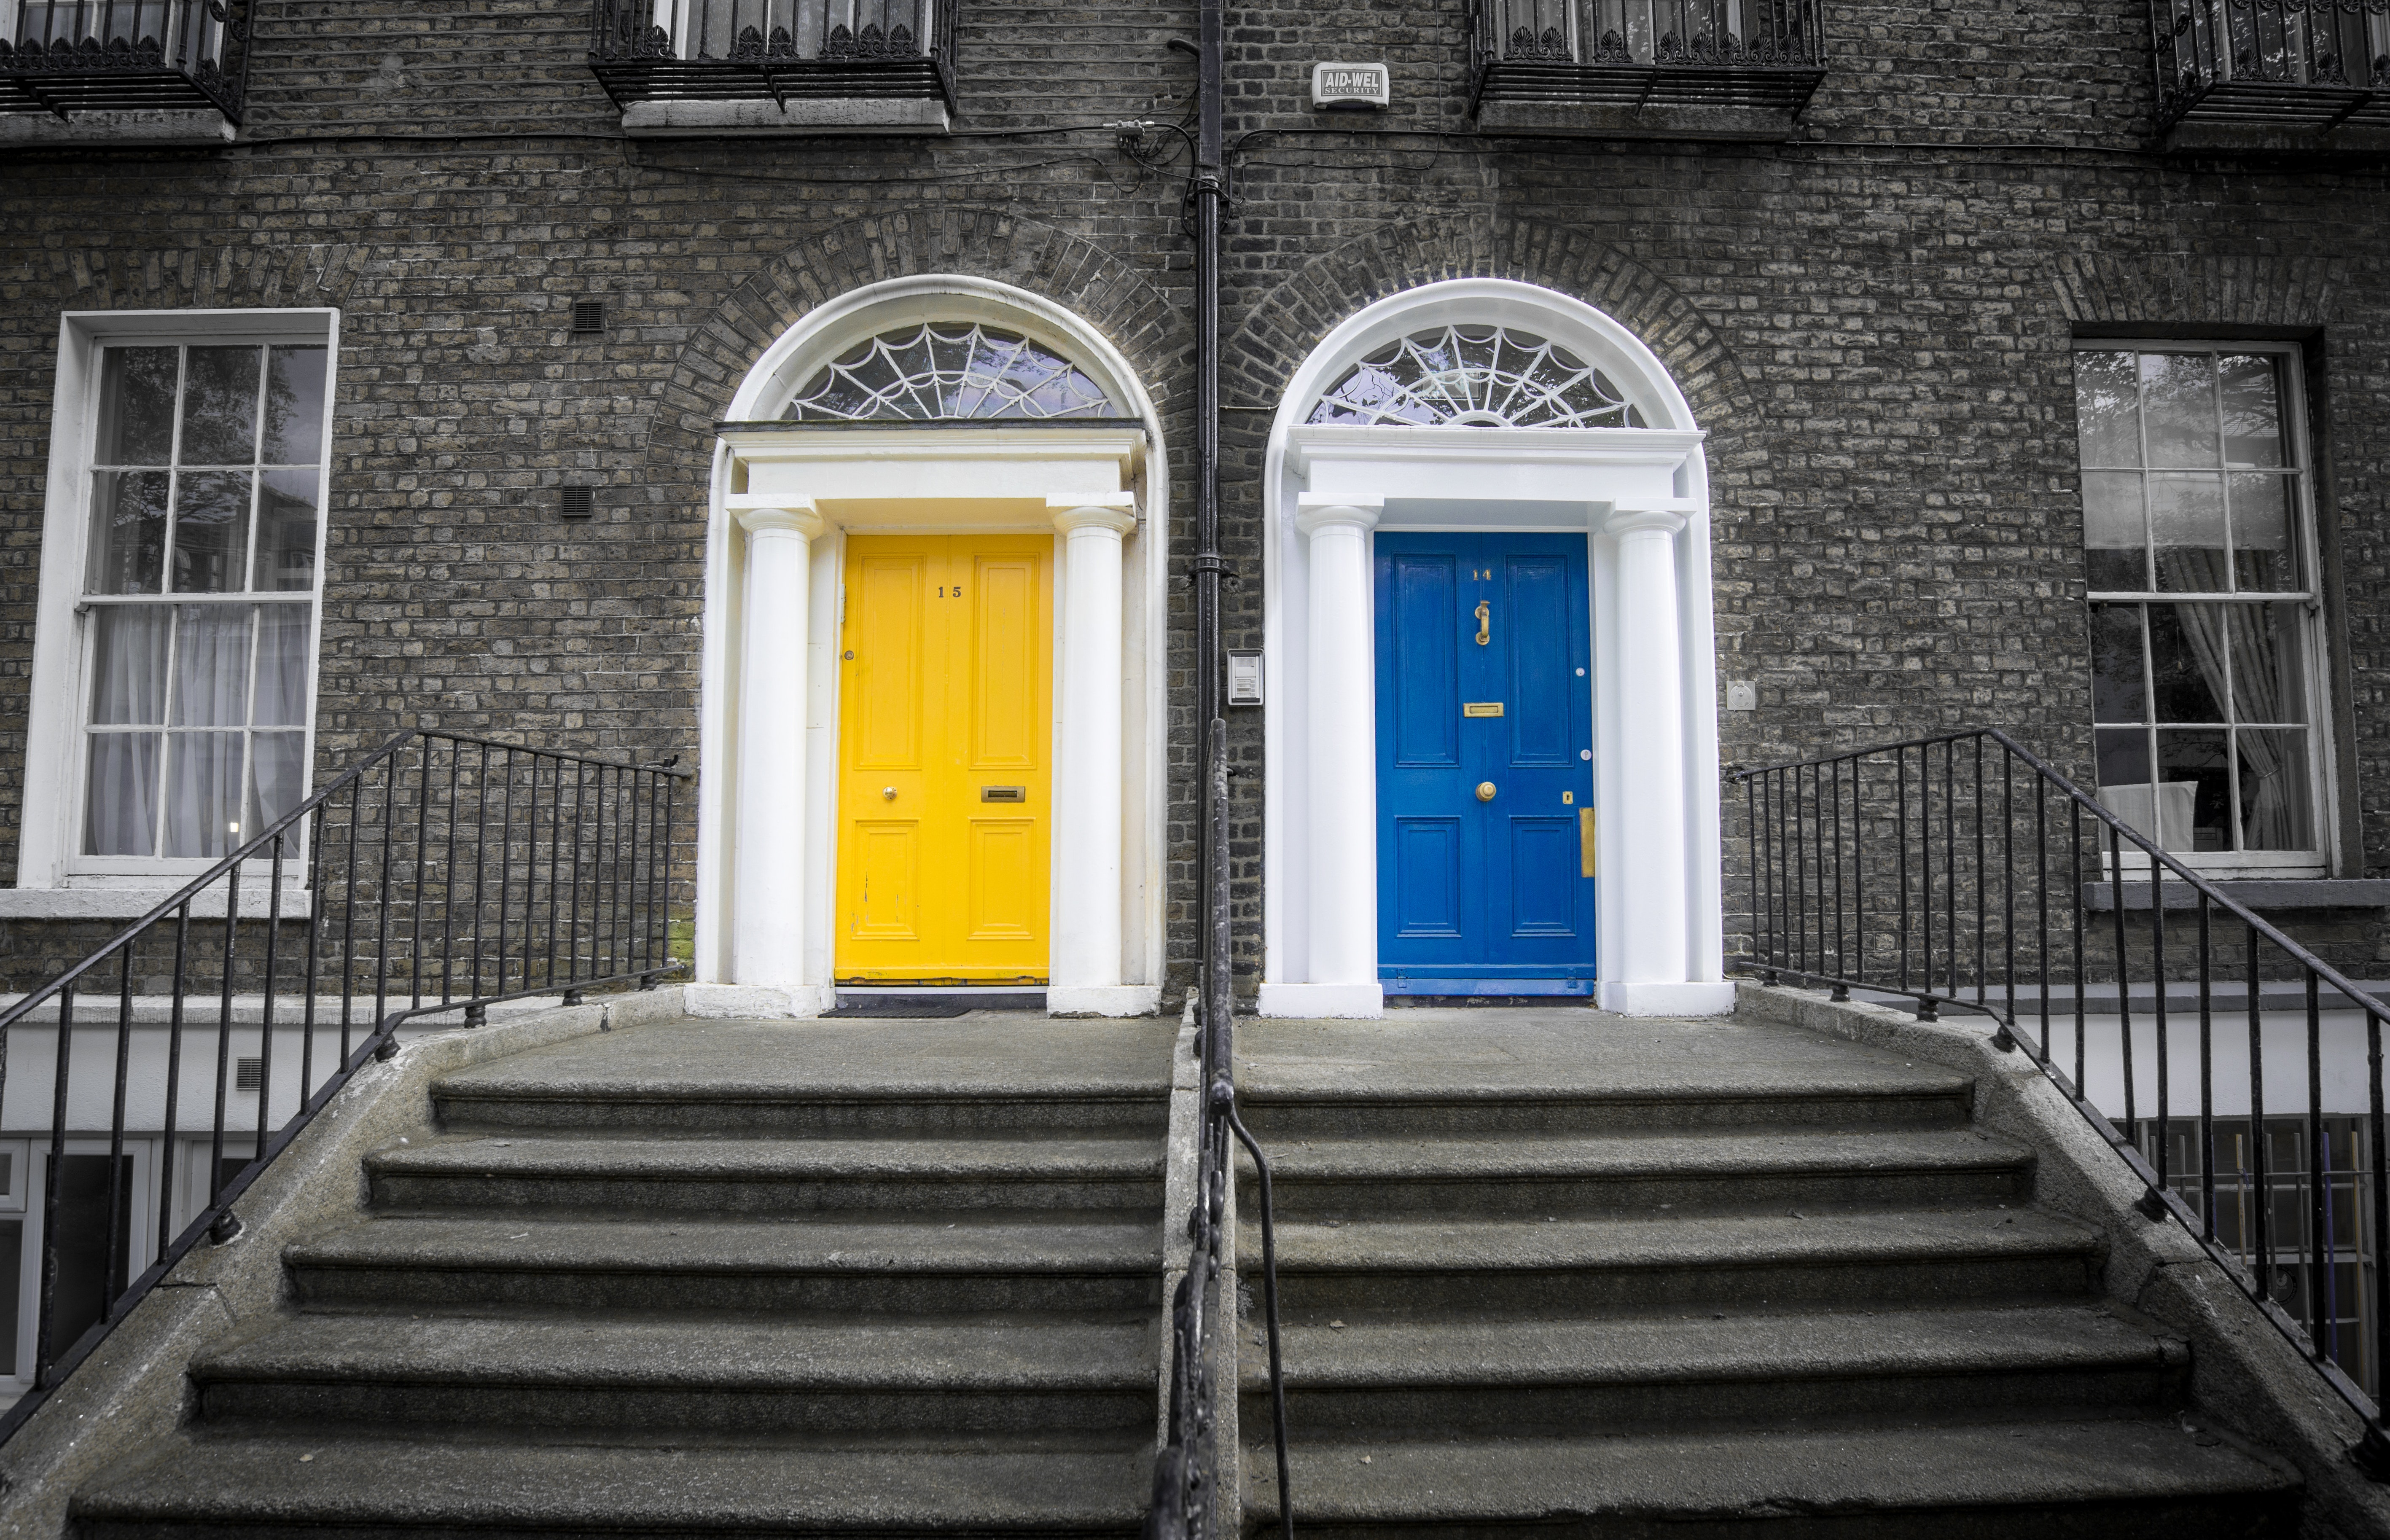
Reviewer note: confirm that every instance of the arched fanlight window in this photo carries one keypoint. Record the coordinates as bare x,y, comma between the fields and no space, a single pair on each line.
945,370
1476,375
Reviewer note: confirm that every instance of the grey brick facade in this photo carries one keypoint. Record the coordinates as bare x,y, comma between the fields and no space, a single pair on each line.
1872,321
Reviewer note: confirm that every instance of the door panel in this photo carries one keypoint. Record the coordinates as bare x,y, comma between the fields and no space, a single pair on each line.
945,694
1485,654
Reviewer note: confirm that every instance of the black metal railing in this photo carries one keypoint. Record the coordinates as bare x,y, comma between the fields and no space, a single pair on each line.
2302,64
2236,1074
1648,53
717,50
1186,1494
442,874
64,56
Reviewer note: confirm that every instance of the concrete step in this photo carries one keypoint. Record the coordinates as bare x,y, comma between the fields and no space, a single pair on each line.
2142,1480
1408,1268
709,1264
1927,1098
1542,1174
830,1079
670,1377
1788,1371
202,1488
630,1173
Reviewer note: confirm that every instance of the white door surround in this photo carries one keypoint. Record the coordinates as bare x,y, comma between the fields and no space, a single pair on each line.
784,499
1641,496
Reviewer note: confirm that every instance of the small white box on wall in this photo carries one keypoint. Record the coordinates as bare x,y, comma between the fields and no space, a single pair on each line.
1351,85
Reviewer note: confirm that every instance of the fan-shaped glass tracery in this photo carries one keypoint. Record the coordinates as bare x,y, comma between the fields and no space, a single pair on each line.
946,369
1477,376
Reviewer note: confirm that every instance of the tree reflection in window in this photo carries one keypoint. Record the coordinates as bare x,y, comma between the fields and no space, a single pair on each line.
945,370
1476,375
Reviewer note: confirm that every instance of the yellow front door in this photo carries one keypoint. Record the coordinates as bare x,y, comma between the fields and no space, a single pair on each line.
945,751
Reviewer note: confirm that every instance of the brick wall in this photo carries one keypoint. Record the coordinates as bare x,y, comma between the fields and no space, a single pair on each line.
1873,323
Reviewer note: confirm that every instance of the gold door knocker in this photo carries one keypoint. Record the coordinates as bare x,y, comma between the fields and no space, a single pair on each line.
1484,623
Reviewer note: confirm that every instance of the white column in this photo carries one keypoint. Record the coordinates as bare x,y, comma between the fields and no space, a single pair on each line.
1084,977
1342,782
767,838
1651,821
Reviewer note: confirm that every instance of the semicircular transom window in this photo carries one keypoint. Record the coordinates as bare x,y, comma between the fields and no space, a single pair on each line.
945,370
1476,375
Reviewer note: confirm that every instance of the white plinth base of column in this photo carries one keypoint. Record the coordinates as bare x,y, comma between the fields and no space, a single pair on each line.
1103,1000
1705,999
1348,1002
756,1002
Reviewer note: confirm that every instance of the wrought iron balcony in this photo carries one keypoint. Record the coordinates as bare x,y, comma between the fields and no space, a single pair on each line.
777,50
65,56
1762,55
2292,64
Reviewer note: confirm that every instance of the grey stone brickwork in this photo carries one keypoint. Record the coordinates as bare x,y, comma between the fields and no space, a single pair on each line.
1871,320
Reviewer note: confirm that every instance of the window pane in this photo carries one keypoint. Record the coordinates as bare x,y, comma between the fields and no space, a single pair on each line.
128,532
220,406
2106,409
86,1285
2114,542
211,665
211,530
2197,761
2119,691
137,408
2252,411
2264,554
128,665
282,659
12,1282
2189,644
278,765
2126,792
120,805
286,532
2275,794
2269,663
2187,528
202,794
294,406
2178,406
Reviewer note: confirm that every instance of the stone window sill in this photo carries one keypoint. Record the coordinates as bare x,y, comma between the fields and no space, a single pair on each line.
132,128
803,116
2261,894
131,904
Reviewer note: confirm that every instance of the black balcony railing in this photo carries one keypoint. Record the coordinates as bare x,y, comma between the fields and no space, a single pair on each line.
65,56
438,876
2298,64
777,50
1746,54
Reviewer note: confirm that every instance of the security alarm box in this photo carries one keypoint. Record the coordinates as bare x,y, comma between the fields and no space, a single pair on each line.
1244,678
1351,85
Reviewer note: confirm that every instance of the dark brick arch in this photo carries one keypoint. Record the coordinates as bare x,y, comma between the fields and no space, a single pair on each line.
290,274
1283,327
1098,287
2257,290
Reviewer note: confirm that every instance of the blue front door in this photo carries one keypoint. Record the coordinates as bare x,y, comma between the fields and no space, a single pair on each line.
1484,764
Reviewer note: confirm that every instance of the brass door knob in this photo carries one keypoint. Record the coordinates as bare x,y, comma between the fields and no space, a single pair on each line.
1485,791
889,792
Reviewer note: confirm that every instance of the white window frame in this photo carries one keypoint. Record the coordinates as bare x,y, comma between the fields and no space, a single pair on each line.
2316,657
50,858
34,1162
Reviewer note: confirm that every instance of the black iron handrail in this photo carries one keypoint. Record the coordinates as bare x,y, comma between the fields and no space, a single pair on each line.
69,56
1185,1495
1846,892
444,873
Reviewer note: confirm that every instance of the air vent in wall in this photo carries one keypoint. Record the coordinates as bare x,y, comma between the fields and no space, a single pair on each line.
588,317
580,501
247,1075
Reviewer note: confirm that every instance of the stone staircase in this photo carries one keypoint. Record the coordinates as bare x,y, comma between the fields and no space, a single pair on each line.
1693,1279
712,1278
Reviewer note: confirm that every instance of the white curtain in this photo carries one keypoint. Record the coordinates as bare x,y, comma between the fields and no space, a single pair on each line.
203,773
2275,817
128,686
